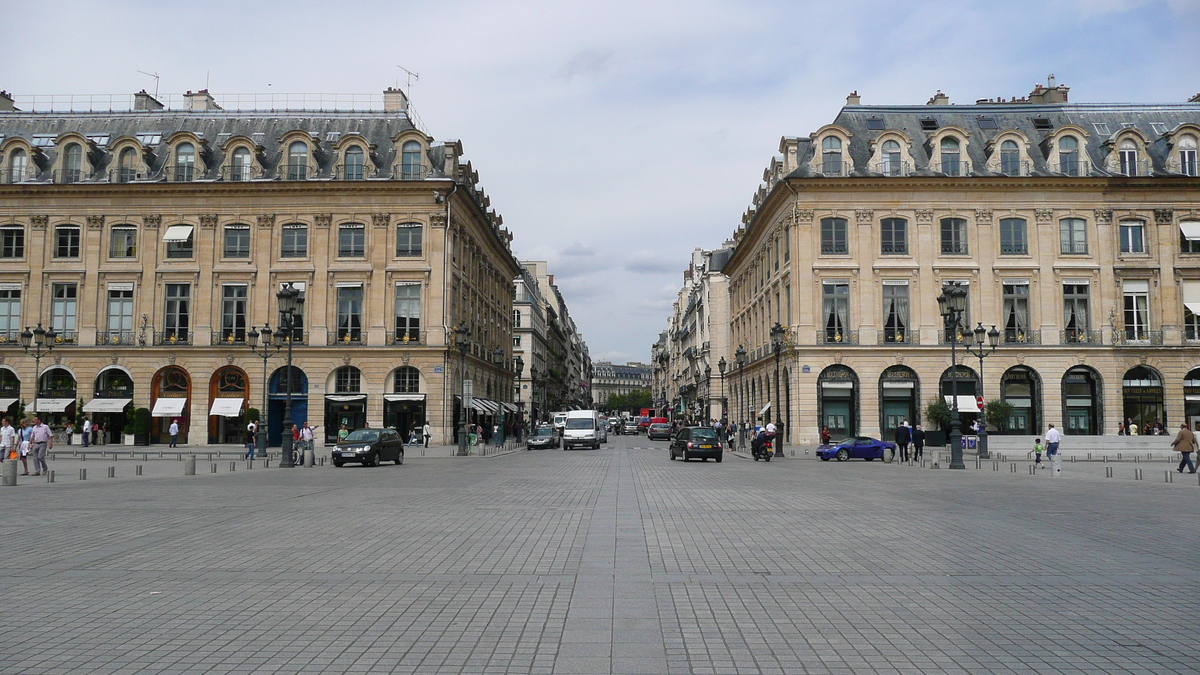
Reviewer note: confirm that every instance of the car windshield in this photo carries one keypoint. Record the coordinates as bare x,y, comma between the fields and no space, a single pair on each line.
703,433
658,426
363,435
579,423
544,431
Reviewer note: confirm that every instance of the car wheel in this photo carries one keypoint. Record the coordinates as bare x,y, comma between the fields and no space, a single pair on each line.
399,459
718,458
685,455
672,453
843,454
869,459
338,463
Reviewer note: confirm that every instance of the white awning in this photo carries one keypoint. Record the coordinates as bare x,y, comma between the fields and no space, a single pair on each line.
1190,230
6,403
1191,296
168,407
897,385
104,405
345,398
965,403
765,409
226,407
404,397
1186,397
178,233
837,385
512,407
52,404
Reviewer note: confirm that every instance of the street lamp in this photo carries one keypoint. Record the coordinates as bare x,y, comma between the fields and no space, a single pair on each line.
740,357
290,304
268,350
519,367
42,343
952,303
707,390
460,338
721,365
499,361
533,397
981,351
777,332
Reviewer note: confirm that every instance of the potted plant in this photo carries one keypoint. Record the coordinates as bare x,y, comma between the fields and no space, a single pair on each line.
998,413
128,436
141,426
938,412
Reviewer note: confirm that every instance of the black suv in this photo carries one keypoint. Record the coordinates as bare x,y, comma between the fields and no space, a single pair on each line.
370,447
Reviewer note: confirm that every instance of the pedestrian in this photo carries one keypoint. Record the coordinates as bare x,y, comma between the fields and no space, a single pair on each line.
918,443
174,431
24,444
903,436
1052,440
733,429
343,432
97,434
87,432
308,439
8,440
1037,453
1121,431
1185,444
427,432
472,435
826,437
1132,428
496,433
41,439
251,439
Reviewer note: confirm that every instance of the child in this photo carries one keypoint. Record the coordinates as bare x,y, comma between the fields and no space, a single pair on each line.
1037,452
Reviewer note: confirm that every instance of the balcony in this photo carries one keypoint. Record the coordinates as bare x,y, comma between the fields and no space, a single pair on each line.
962,337
1071,167
10,338
68,175
403,337
228,337
1140,167
952,167
124,174
17,175
898,336
1136,337
349,171
342,336
1082,336
890,168
173,337
294,171
1021,336
837,336
239,174
66,337
1014,168
829,167
410,171
180,173
115,337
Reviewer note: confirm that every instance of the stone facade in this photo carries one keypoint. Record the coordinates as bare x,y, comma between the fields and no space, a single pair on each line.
610,379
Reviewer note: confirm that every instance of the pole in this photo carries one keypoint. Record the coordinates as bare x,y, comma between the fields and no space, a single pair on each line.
286,437
956,453
983,443
262,422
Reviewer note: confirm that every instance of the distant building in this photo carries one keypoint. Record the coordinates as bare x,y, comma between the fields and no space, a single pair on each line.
563,381
609,379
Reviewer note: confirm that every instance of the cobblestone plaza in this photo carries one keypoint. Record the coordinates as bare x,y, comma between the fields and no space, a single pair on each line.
609,561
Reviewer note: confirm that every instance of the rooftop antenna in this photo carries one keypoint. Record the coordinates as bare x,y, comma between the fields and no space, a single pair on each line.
411,76
155,76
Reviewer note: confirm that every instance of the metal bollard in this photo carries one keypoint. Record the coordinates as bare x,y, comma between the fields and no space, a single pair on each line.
112,472
1136,459
978,463
138,470
10,472
50,477
83,474
996,466
1089,456
1073,458
1108,472
1032,470
1012,468
1137,474
212,468
1118,456
232,467
1105,459
249,464
1168,477
189,469
83,456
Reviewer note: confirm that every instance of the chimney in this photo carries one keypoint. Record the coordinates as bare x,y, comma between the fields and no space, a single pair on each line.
854,98
1194,99
200,100
1051,93
6,101
144,101
939,99
394,100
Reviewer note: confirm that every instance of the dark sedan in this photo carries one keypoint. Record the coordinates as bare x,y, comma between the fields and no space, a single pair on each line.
696,442
541,438
370,447
858,447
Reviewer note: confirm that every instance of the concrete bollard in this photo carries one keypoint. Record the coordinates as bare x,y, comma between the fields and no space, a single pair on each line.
189,469
309,458
138,470
1089,456
1012,468
112,472
1118,456
83,456
83,474
1104,459
1032,469
1137,474
1136,459
10,472
996,466
249,464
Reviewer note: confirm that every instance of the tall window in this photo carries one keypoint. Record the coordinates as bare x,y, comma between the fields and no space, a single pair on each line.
1137,310
294,241
1133,237
1075,313
890,159
1016,312
1013,237
120,312
895,312
787,244
1189,236
352,241
240,168
964,326
10,313
1187,156
1191,324
177,321
185,162
894,236
181,246
1072,234
1010,159
123,242
1068,155
127,165
408,312
836,310
354,163
349,313
408,380
408,240
64,308
12,242
73,163
66,242
233,313
237,241
1128,155
297,168
347,380
951,166
1191,319
516,318
18,162
831,156
834,236
954,236
411,161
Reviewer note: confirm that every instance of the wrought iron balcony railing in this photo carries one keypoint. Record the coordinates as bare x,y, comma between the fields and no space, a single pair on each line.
403,336
899,336
1136,337
10,338
228,337
837,336
1022,336
346,337
173,337
829,167
1071,167
66,337
115,337
1083,336
952,167
410,171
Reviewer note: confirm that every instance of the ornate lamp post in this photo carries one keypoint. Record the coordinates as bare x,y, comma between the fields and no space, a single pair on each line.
952,303
268,350
707,392
290,304
498,357
519,367
721,365
533,397
740,357
982,351
777,332
39,342
460,338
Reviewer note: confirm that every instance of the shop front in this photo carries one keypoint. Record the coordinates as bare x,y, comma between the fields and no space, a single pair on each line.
967,389
899,399
55,403
1191,397
277,389
347,409
837,401
404,406
170,391
110,405
228,393
1021,387
1082,410
10,395
1142,398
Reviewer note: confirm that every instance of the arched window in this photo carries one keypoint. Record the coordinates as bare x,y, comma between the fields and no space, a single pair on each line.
297,168
73,163
347,380
831,156
1010,159
1129,157
411,161
185,162
1068,155
354,163
951,166
1187,156
241,164
18,161
127,165
408,380
890,164
516,318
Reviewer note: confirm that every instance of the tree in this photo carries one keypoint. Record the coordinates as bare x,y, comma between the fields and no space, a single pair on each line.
632,402
998,413
938,412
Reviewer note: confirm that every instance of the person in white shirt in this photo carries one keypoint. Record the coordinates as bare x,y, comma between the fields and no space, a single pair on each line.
427,432
87,431
306,437
174,431
1052,439
8,439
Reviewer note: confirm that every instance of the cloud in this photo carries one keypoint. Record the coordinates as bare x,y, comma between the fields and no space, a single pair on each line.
579,250
646,262
586,63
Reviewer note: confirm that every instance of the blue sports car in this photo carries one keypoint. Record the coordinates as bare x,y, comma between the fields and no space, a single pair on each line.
858,447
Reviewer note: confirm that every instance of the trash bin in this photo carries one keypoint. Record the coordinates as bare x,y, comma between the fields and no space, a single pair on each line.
970,442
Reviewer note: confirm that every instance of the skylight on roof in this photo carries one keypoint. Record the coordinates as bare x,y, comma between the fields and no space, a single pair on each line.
929,125
1101,127
875,124
258,136
1127,125
1042,123
987,122
331,136
149,138
98,139
43,140
1159,128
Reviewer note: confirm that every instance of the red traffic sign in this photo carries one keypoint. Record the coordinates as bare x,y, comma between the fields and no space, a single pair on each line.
979,402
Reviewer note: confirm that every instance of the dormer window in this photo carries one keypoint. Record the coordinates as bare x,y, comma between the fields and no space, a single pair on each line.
72,163
297,164
1187,156
831,156
1010,158
18,163
354,163
1128,154
127,165
242,164
185,162
410,161
890,156
950,149
1068,155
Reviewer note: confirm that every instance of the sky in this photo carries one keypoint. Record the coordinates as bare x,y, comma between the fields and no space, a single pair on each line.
613,137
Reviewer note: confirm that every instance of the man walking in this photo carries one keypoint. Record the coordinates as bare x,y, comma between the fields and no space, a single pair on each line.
903,436
1185,443
427,432
918,443
87,431
1052,440
306,439
8,441
42,440
251,439
174,431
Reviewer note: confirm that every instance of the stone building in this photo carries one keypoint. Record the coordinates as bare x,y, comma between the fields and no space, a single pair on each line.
1075,229
611,379
154,242
529,340
562,381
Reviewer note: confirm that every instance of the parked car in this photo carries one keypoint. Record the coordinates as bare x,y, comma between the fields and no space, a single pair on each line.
631,427
693,442
543,437
857,447
369,447
659,432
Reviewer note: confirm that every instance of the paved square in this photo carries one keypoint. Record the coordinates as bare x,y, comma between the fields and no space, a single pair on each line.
609,561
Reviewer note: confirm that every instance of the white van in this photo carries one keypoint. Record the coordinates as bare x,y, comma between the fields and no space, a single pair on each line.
559,420
582,430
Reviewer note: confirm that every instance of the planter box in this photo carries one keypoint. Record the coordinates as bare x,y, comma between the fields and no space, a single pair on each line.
141,439
128,439
936,437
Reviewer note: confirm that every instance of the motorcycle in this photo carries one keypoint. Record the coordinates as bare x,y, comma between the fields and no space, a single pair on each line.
761,448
